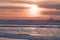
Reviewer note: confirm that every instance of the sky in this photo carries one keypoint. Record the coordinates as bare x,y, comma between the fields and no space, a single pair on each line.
29,9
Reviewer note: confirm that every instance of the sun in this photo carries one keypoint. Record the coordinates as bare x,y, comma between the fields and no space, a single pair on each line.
34,11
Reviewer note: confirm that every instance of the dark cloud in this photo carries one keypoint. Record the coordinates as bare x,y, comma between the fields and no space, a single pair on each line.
8,7
17,1
11,7
57,13
54,6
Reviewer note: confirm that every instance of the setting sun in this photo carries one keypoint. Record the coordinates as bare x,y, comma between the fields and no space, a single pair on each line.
33,10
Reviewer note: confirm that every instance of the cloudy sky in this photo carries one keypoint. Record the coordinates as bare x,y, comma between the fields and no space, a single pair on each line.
28,9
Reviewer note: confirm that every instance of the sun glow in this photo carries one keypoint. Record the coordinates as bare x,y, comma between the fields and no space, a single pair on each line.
34,11
34,0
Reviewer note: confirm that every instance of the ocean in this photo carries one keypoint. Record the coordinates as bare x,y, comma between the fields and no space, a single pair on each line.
30,32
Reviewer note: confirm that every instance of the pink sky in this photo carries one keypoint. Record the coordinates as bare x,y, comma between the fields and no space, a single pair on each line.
18,9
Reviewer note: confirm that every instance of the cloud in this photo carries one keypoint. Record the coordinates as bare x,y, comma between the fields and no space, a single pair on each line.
50,4
57,13
10,7
57,7
43,3
13,8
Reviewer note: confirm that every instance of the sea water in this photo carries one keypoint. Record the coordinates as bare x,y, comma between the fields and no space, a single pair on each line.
33,33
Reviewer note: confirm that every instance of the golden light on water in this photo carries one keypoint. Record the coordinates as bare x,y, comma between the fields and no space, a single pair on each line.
34,11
